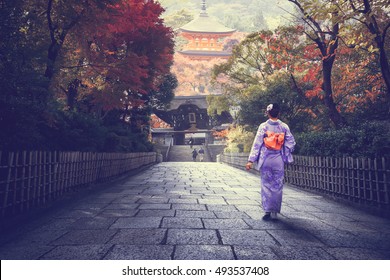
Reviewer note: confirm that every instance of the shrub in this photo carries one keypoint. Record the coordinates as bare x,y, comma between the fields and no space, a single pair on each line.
369,139
76,132
239,140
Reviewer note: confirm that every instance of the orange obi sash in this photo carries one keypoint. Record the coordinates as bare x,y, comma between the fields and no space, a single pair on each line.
274,141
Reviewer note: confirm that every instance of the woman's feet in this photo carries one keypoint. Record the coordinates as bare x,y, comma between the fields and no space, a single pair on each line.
270,216
267,216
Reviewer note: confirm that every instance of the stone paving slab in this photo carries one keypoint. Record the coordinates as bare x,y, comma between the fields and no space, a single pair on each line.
175,222
24,252
192,237
137,222
247,237
140,252
84,237
204,252
306,253
153,236
118,213
255,253
79,252
225,224
194,211
195,214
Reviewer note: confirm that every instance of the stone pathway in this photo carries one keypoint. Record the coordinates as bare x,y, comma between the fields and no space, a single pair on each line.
183,153
195,211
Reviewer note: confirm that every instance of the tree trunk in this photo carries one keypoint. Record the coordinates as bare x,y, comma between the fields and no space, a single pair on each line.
333,114
57,37
52,54
328,47
384,64
73,89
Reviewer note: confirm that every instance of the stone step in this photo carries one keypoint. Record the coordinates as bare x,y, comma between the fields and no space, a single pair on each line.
184,154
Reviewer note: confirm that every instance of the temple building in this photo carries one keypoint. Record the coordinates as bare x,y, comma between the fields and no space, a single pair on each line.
204,35
187,115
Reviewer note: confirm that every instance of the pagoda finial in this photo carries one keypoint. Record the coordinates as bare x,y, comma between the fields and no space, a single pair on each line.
203,12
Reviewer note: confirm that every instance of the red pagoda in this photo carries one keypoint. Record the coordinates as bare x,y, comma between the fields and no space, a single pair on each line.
204,35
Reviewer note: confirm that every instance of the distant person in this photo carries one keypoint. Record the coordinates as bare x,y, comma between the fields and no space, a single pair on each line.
201,154
271,149
194,154
191,142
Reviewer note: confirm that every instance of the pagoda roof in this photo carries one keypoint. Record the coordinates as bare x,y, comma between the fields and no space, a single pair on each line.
205,24
198,100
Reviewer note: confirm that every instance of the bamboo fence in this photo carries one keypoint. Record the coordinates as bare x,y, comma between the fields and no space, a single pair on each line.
31,179
362,181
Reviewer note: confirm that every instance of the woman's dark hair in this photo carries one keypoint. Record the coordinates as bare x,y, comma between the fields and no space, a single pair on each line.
274,112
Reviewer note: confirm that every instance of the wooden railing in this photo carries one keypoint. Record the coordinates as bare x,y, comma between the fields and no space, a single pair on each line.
362,181
31,179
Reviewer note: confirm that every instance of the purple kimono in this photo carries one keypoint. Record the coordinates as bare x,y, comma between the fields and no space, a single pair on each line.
271,163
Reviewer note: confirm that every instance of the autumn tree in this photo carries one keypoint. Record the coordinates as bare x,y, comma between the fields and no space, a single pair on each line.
359,84
116,70
268,67
374,15
47,23
194,76
325,34
161,98
364,26
102,59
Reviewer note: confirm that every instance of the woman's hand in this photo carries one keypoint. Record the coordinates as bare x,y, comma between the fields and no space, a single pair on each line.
249,165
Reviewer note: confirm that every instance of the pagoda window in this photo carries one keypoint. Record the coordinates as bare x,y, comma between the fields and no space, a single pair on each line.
196,42
212,43
205,43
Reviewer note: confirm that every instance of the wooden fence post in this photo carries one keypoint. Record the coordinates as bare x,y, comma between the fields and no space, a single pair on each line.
386,180
7,184
23,178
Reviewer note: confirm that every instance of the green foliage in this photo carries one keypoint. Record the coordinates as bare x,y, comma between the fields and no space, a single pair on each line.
178,18
293,106
120,139
239,140
19,125
76,132
365,111
217,104
24,93
161,98
240,16
368,139
244,15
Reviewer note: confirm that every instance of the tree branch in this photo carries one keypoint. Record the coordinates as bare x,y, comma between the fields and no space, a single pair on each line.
49,19
316,27
367,7
387,27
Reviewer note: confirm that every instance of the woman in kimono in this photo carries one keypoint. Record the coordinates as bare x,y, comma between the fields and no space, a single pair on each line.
270,160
